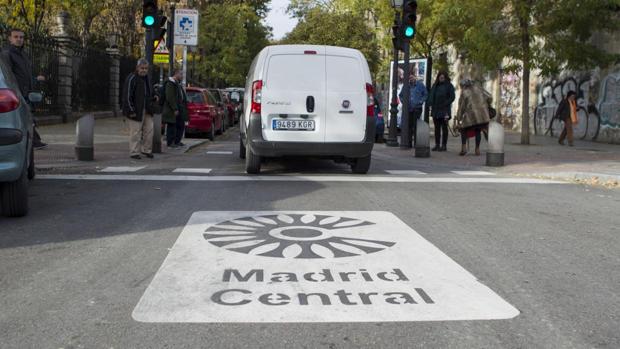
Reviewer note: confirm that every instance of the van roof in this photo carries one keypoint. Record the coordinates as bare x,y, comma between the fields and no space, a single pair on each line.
333,50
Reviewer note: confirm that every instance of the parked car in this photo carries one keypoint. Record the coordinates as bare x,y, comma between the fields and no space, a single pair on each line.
230,108
308,100
16,154
235,94
203,116
220,106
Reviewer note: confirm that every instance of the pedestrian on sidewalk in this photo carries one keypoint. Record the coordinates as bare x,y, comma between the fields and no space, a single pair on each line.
175,113
417,97
21,66
440,101
138,102
567,112
473,113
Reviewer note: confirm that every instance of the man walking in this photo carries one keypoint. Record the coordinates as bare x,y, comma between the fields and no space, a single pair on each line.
567,112
417,97
14,55
138,100
174,113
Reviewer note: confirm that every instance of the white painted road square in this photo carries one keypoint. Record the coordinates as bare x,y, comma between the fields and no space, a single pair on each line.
473,173
192,170
214,152
406,172
121,169
323,266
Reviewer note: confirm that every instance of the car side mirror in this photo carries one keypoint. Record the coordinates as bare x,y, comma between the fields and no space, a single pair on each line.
35,97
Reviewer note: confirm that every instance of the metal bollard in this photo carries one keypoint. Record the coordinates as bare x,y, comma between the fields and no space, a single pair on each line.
422,140
85,138
495,153
157,133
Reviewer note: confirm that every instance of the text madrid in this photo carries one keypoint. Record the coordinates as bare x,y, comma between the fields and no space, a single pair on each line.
240,296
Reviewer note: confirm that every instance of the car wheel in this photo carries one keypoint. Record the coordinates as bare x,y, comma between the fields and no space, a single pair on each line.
252,161
241,148
211,134
31,168
14,196
361,165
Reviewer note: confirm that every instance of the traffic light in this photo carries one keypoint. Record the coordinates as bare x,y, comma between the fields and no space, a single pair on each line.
149,13
159,30
397,38
410,16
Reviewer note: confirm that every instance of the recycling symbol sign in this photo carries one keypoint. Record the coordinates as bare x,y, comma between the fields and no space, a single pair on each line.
186,27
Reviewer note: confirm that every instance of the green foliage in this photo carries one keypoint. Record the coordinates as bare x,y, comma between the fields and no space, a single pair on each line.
347,29
230,36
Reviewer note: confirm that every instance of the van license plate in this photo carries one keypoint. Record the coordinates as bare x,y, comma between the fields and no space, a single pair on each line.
293,125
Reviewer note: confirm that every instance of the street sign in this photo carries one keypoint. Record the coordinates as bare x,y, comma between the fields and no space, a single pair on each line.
161,54
186,27
311,266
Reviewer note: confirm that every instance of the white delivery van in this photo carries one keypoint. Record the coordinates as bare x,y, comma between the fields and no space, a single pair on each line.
308,100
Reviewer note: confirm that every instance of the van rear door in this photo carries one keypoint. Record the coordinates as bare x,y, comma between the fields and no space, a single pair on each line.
293,96
346,97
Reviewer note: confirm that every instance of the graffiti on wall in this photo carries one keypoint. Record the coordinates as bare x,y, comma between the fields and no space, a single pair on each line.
598,101
510,103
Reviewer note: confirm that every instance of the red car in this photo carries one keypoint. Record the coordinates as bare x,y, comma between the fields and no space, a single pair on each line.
225,105
204,115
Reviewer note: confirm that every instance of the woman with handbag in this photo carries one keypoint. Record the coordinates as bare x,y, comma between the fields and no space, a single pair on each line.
473,113
440,100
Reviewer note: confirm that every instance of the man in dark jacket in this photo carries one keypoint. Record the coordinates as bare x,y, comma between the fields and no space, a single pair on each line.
14,55
440,100
174,113
567,112
138,98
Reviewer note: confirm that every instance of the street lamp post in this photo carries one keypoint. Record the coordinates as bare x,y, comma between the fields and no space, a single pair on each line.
392,140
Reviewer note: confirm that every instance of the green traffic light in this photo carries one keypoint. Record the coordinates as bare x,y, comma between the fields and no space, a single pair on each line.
149,20
409,32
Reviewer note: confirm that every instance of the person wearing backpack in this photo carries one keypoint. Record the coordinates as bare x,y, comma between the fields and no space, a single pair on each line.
174,111
567,112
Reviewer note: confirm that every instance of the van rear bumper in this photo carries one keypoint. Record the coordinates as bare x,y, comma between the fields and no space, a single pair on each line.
261,147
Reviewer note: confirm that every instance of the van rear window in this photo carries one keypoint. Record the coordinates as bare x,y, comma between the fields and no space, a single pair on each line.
344,74
296,72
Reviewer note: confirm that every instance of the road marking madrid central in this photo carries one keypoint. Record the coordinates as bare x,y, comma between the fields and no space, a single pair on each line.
311,266
284,178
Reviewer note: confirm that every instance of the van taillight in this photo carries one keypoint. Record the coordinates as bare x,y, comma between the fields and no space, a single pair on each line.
8,100
370,101
257,88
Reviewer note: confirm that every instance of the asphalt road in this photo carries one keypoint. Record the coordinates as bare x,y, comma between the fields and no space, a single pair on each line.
73,272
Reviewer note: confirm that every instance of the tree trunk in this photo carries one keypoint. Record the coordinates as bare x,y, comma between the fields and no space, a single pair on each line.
525,91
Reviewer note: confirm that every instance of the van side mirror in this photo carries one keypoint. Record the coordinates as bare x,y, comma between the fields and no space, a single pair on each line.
35,97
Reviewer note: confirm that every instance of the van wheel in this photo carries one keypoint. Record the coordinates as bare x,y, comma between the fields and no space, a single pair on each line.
241,149
211,134
31,168
361,165
14,196
252,161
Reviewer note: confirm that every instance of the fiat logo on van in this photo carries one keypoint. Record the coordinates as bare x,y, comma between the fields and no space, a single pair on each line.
346,104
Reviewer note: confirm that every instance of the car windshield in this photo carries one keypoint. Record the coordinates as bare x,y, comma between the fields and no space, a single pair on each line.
195,97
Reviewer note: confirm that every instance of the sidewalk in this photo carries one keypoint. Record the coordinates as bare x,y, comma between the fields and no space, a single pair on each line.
589,162
111,146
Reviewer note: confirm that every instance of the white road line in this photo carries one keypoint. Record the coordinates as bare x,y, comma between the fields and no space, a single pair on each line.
220,152
406,172
122,169
267,178
473,173
192,170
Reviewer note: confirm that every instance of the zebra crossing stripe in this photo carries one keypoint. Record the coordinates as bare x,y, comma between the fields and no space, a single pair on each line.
118,169
406,172
220,152
192,170
473,173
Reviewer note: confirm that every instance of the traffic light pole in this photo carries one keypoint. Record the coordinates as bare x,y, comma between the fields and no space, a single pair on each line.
392,140
405,128
171,40
148,50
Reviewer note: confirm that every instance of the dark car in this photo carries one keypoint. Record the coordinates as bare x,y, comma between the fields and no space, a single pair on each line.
203,116
220,105
229,108
235,94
